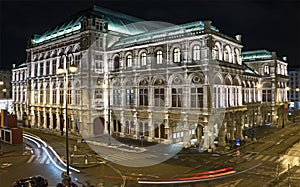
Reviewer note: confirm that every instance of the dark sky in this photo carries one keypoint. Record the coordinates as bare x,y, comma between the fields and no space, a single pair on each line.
273,25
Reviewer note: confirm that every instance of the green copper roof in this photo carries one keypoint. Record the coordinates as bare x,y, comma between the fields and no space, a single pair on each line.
163,32
256,55
117,22
249,70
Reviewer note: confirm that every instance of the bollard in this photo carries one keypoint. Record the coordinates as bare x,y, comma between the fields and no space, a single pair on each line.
85,159
75,148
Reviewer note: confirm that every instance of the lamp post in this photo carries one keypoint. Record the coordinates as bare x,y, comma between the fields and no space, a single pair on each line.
4,90
61,70
253,113
287,89
295,109
108,79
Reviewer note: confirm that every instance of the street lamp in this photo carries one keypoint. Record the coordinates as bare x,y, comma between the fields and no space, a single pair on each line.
4,90
61,70
253,130
287,88
108,87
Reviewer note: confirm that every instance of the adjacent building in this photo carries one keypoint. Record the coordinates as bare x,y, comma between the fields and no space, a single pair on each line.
294,87
186,83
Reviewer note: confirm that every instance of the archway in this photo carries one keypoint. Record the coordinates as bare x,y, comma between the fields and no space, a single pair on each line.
54,121
98,126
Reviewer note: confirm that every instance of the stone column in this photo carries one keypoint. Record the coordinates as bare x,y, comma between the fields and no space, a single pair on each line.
186,135
221,135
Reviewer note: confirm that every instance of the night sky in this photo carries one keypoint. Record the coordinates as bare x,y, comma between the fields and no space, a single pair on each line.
273,25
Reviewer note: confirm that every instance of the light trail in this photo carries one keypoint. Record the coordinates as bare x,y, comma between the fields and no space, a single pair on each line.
36,138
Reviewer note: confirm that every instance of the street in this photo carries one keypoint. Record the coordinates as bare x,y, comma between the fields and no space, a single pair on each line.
273,159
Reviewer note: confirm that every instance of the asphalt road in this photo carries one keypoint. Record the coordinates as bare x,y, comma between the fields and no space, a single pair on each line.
269,159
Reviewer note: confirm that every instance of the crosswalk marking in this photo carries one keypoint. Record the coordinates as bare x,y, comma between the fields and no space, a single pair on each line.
265,158
30,159
273,158
38,159
259,157
43,160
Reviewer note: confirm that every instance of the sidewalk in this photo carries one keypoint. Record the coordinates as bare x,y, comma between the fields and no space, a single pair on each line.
83,156
9,150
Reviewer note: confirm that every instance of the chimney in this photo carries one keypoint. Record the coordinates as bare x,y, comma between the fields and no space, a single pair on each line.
238,37
284,58
274,55
207,25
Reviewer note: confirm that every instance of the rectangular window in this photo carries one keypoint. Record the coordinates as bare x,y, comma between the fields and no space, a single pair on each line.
129,96
146,130
47,67
61,96
47,96
69,96
197,97
54,67
54,96
117,97
77,97
267,95
159,97
176,97
77,60
144,96
41,68
41,96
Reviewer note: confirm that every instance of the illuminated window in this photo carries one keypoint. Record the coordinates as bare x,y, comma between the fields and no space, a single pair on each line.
159,57
196,52
129,96
266,70
226,55
144,59
215,53
129,61
176,55
117,96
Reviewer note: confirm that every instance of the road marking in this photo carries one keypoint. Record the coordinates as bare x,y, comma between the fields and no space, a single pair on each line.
265,158
30,159
43,160
259,157
273,158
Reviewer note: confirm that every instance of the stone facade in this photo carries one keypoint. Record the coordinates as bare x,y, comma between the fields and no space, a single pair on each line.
186,84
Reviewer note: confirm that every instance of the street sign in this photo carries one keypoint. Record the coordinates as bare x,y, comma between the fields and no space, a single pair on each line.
238,142
238,153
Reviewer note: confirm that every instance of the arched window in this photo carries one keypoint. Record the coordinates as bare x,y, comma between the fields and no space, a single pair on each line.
226,55
129,61
216,51
176,55
116,63
235,56
159,57
143,59
266,70
196,52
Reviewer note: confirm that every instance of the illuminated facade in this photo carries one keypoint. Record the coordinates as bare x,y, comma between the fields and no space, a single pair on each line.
188,83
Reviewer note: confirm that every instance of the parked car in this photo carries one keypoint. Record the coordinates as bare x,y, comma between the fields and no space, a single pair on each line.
34,181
